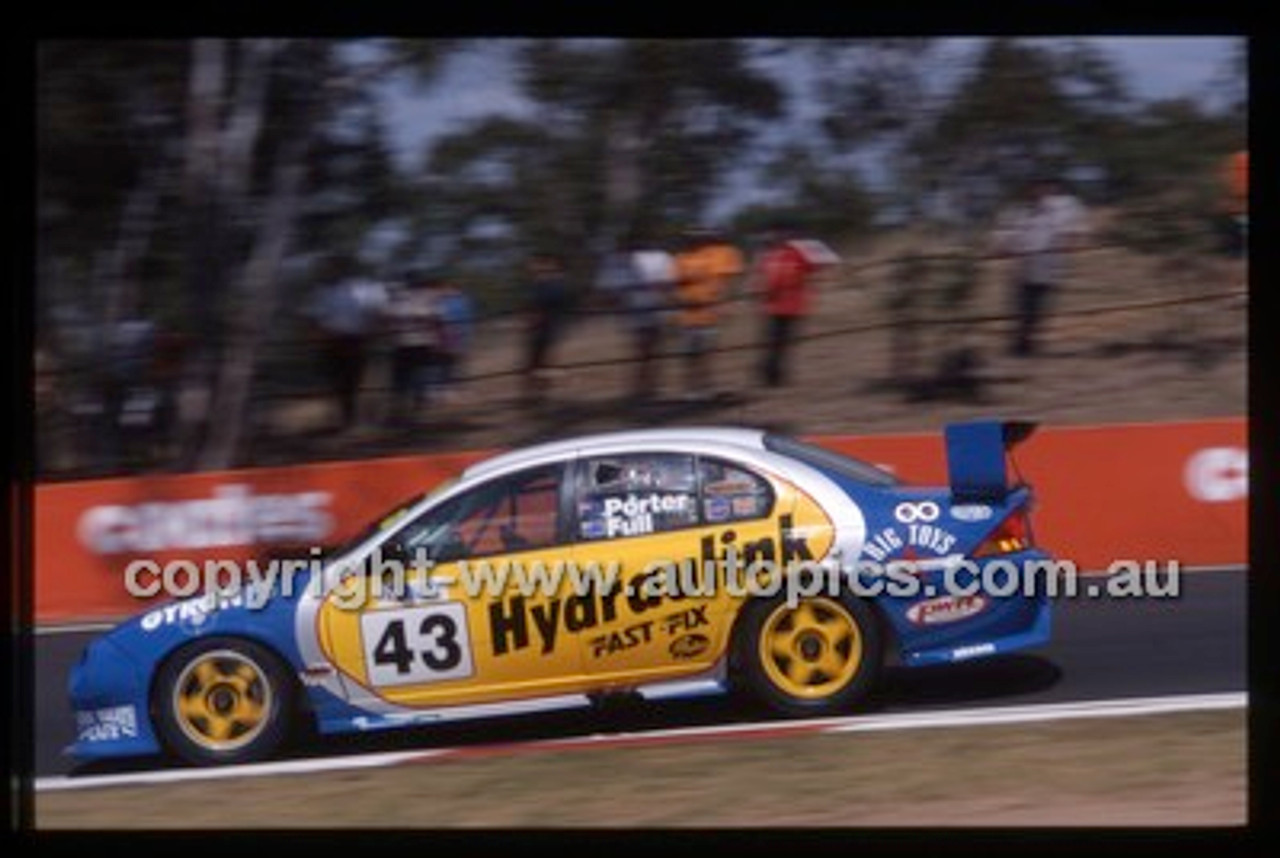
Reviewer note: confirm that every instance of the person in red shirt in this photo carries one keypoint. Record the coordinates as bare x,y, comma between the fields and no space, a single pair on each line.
786,274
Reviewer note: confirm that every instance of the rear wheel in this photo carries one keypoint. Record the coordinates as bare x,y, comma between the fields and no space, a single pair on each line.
223,700
820,655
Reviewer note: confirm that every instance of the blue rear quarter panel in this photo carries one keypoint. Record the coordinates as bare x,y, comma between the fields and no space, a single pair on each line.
1003,622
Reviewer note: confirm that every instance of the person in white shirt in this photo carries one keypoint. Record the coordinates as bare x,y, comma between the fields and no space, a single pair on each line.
1041,238
416,324
347,313
641,278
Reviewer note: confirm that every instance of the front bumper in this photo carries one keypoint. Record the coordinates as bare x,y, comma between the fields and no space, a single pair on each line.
109,700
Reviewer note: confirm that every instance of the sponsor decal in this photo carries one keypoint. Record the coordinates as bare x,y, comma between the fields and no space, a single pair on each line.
104,725
642,633
716,509
191,614
889,541
972,651
931,537
624,639
881,544
515,624
729,487
907,512
233,516
946,609
634,515
684,620
971,512
316,674
689,646
187,613
747,506
594,528
1218,474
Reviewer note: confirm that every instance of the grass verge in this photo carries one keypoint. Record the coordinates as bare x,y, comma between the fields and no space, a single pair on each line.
1161,770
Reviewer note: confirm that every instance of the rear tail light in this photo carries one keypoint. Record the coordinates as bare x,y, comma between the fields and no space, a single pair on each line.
1013,534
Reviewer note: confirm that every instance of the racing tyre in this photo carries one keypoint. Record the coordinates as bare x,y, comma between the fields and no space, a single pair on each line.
821,656
223,700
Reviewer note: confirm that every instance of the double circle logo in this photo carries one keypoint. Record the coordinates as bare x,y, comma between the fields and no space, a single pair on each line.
907,512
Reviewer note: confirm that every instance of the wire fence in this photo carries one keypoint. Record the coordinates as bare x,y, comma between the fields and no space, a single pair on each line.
847,274
919,273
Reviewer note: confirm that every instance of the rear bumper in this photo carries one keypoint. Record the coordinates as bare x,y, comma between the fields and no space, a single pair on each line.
941,627
1037,633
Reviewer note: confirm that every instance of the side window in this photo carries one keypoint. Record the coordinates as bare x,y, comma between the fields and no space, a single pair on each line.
509,514
636,494
732,493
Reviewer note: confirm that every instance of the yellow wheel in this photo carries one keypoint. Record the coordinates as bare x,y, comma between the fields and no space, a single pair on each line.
820,654
222,700
811,650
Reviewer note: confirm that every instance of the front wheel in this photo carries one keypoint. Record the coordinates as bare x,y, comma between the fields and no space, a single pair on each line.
223,700
818,656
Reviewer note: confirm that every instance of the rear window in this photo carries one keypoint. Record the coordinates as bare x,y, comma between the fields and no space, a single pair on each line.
828,460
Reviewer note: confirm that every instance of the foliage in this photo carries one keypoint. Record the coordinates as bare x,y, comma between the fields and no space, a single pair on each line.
161,175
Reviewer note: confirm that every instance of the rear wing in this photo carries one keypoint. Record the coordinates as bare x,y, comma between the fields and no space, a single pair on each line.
976,457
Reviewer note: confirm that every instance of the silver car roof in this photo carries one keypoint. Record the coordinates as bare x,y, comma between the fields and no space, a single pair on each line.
730,436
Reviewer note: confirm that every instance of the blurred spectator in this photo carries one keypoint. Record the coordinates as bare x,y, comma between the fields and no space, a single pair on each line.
347,312
458,315
1235,221
169,355
1052,224
417,333
785,279
52,452
705,273
641,278
548,307
131,401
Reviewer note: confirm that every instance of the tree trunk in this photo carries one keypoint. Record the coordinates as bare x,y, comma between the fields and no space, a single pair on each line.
244,125
201,238
137,223
255,302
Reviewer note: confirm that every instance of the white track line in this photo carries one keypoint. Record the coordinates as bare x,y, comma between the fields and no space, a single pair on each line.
288,767
1053,712
851,724
73,628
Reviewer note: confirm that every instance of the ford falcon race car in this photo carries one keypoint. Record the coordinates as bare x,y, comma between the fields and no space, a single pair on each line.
228,679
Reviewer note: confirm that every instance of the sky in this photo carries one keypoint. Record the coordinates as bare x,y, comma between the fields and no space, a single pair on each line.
480,81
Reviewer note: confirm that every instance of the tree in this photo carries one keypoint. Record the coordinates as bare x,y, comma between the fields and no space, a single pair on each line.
176,178
630,137
810,194
1009,119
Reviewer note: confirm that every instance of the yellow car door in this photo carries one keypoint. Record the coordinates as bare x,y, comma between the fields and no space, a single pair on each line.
663,523
474,622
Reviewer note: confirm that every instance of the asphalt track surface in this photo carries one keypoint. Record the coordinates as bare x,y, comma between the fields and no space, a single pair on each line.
1102,649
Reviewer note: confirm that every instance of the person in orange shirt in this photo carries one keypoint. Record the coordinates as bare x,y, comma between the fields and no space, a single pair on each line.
1235,223
1238,182
705,272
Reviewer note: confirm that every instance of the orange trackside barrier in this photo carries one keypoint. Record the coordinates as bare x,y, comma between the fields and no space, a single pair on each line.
86,533
1141,491
1157,491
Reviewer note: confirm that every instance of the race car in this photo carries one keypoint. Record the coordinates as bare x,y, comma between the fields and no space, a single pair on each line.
848,563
